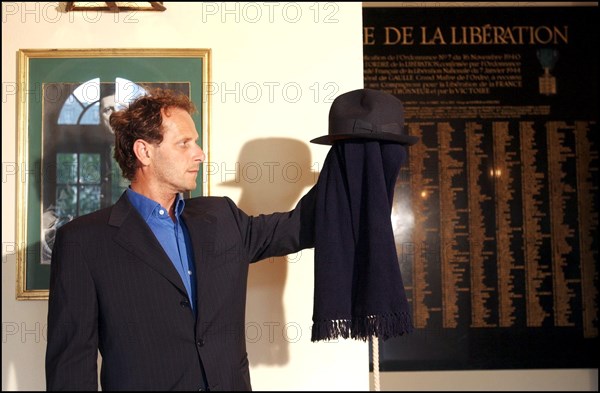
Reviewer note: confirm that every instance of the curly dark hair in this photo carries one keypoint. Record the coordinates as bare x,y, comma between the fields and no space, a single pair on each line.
143,120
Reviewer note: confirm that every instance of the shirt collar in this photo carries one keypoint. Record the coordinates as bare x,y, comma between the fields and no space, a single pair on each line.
147,207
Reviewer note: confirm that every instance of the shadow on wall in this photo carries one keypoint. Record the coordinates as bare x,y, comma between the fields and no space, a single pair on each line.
273,174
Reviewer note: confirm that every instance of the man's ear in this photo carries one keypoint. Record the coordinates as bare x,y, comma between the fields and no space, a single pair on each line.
141,149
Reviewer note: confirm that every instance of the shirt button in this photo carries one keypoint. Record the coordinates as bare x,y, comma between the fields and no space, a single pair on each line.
161,212
189,272
200,343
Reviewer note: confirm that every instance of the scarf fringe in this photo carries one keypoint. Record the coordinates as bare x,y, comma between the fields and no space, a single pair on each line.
382,326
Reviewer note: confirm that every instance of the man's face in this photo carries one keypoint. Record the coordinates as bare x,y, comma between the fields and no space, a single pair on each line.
107,107
177,159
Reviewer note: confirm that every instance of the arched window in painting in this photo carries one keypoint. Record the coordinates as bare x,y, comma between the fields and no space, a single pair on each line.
86,176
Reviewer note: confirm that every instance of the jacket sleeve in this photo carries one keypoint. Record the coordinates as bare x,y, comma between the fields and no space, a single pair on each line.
72,346
278,234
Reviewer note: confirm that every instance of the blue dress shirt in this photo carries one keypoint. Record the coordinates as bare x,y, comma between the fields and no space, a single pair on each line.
172,236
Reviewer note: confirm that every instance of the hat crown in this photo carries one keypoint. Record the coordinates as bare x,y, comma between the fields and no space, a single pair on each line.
366,114
367,106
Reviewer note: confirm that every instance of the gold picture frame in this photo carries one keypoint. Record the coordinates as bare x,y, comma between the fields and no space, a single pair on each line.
64,143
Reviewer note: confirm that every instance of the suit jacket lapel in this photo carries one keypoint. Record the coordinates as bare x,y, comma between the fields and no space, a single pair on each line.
201,226
135,236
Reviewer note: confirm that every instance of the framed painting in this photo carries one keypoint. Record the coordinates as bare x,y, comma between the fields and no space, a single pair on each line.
65,142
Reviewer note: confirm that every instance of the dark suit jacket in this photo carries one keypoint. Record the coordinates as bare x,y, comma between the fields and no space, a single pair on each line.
113,287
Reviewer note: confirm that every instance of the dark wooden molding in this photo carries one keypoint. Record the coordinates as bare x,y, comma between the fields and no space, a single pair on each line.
114,7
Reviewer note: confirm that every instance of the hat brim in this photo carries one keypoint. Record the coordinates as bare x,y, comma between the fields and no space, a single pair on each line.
402,139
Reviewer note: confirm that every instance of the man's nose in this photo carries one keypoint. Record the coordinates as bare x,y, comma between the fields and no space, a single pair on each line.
201,156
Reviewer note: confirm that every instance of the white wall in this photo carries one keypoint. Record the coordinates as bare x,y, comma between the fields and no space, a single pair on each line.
275,69
491,380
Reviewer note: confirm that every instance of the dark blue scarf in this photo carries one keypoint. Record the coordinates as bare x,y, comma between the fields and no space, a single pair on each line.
358,286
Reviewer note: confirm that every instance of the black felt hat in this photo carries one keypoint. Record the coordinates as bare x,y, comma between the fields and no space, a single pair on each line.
366,114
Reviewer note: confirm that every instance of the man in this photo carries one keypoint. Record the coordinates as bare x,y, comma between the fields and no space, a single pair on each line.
156,283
